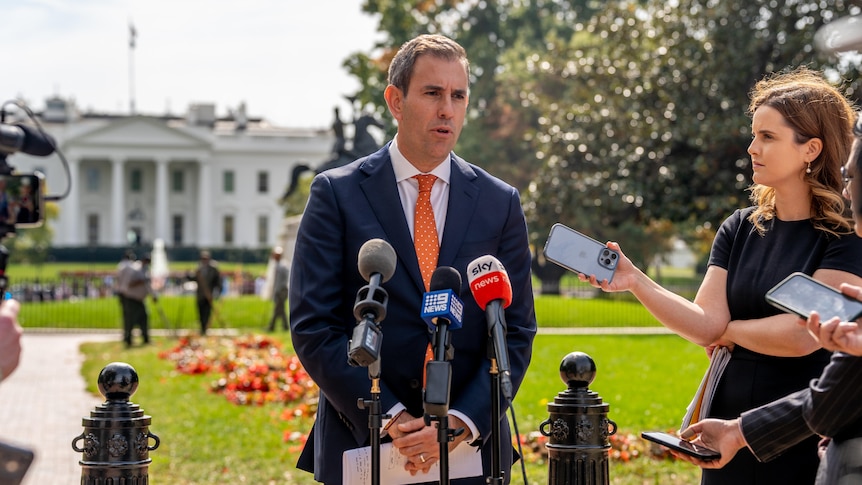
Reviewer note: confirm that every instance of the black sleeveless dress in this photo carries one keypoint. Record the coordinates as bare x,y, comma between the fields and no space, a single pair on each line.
755,263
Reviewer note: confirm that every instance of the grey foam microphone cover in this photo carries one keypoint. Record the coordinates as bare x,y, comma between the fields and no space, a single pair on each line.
377,256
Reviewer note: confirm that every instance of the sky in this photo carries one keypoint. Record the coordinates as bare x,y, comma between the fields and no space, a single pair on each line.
282,58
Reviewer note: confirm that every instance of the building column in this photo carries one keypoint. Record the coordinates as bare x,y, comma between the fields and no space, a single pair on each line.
118,208
207,222
72,216
161,226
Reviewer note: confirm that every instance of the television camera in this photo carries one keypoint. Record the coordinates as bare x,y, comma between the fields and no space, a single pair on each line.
22,195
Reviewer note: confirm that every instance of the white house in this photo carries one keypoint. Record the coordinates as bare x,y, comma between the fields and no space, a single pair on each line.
190,181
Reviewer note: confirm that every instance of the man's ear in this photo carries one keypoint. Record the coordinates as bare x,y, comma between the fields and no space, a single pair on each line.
394,99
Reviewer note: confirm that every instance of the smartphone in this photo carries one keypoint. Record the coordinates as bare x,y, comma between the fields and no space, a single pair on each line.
22,199
580,253
802,294
681,445
14,462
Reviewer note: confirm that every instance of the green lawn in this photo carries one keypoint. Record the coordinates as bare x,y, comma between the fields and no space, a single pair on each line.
646,380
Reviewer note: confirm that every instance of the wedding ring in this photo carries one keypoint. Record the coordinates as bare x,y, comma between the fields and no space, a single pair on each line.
422,457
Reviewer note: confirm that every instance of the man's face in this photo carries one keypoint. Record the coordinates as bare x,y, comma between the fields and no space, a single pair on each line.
431,114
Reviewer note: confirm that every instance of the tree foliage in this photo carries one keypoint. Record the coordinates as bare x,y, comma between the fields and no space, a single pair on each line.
644,111
625,119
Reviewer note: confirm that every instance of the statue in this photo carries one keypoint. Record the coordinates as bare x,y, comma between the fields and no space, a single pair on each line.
338,129
363,144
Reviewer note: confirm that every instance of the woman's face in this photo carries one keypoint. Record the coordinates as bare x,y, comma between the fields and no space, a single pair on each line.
853,183
776,158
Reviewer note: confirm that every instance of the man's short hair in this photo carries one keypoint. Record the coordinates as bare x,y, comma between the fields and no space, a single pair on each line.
401,67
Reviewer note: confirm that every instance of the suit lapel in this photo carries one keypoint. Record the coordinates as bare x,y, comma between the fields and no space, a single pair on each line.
381,191
463,197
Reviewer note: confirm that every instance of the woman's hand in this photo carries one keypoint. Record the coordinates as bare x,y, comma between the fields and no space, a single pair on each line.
625,274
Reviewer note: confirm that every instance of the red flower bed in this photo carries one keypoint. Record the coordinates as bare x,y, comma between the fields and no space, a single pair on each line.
253,371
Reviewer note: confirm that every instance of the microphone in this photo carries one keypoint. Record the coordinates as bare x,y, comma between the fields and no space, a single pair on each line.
376,265
492,291
442,310
842,35
442,306
23,138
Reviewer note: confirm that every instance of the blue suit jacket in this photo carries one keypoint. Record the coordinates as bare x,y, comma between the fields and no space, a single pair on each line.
358,202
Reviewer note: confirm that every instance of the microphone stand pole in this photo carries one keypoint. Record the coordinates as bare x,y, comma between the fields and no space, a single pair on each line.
496,415
375,418
439,377
364,350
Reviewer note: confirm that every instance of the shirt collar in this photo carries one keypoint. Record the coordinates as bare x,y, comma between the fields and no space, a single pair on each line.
405,170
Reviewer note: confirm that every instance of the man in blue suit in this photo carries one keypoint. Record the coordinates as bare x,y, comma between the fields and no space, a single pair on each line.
476,214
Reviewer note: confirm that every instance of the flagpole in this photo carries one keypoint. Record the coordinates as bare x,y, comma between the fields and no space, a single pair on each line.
132,35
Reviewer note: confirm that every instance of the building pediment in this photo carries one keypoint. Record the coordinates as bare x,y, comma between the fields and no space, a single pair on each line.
139,131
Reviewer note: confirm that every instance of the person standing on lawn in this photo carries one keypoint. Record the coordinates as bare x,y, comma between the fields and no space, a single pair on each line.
801,136
830,406
279,291
137,280
209,287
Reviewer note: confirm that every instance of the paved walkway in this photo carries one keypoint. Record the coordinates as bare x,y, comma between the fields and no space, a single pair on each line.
43,402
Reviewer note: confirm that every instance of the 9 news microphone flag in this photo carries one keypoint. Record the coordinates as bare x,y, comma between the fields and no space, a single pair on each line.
442,310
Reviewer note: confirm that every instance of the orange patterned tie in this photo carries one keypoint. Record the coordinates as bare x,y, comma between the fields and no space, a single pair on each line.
425,229
426,241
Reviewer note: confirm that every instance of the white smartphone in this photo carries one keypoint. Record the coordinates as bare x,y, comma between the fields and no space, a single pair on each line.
802,294
580,253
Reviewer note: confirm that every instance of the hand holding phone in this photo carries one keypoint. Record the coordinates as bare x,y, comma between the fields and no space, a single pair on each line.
678,444
801,294
580,253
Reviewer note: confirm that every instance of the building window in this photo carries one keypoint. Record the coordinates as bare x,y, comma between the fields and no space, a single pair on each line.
177,230
228,230
262,182
136,181
262,230
134,235
178,181
92,176
93,229
227,181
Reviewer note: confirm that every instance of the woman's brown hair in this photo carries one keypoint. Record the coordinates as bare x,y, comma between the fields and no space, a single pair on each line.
814,109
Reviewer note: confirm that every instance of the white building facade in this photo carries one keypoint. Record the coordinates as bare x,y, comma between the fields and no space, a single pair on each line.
194,181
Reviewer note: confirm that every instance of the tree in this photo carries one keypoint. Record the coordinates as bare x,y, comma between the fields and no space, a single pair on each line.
619,117
644,111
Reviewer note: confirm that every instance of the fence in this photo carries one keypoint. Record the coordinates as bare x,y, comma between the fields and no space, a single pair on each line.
87,301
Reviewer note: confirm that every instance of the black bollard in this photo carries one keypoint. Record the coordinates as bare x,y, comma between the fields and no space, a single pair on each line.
116,435
579,427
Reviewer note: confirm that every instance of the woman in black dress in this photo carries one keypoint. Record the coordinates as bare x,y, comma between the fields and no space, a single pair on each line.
801,136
